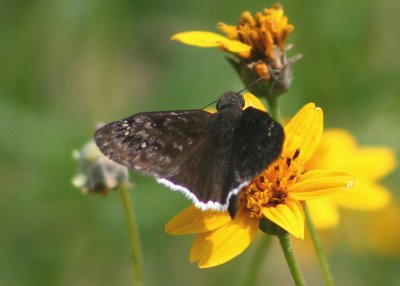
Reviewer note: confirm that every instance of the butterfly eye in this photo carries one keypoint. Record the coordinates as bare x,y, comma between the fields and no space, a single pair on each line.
219,105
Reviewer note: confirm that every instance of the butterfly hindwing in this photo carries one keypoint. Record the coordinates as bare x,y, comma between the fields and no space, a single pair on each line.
257,143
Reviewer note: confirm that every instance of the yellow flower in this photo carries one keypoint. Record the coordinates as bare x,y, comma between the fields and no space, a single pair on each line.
253,37
276,194
338,150
262,32
259,44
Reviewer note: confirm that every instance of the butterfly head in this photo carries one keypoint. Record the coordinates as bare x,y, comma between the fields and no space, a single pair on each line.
230,99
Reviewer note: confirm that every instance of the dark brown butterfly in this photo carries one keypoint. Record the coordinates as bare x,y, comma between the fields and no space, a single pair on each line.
207,156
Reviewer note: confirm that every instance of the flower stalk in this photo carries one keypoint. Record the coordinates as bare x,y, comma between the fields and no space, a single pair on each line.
257,260
274,108
133,235
323,262
287,248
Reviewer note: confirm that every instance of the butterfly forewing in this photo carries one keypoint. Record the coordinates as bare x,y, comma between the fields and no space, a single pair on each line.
155,143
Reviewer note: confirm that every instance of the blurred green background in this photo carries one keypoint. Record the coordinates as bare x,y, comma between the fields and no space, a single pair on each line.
66,65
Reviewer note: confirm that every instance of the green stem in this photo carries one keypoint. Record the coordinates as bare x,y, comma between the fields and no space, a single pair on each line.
274,108
133,235
258,258
323,262
287,249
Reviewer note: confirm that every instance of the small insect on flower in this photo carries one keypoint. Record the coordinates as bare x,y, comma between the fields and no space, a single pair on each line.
276,195
207,156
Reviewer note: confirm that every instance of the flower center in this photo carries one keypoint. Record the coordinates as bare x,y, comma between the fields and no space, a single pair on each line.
270,188
262,32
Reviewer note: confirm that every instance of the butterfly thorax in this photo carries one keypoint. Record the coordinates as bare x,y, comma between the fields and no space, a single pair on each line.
226,121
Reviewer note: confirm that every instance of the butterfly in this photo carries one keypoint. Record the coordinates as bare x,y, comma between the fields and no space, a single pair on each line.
209,157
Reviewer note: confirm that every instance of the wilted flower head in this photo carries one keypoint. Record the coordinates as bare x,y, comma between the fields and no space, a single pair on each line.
259,44
96,173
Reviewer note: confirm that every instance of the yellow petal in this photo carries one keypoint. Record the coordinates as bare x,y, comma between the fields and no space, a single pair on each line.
324,213
289,216
364,196
210,109
221,245
371,163
316,184
194,220
208,39
338,150
230,31
303,132
249,100
253,101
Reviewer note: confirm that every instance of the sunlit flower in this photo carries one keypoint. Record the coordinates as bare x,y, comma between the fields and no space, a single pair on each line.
338,150
96,173
275,195
258,43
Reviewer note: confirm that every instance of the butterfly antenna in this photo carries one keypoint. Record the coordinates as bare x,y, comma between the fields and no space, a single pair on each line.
271,72
211,103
